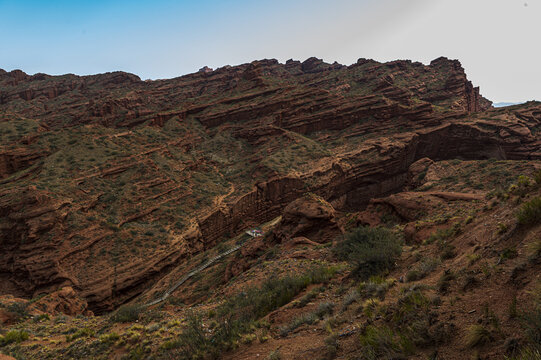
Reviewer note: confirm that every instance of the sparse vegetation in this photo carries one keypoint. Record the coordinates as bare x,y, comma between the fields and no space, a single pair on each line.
274,355
375,287
530,212
537,177
422,269
477,335
240,312
13,336
84,332
444,234
109,338
379,342
127,313
445,281
352,296
370,250
133,196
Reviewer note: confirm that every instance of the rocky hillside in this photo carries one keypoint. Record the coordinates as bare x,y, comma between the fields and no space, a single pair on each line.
113,188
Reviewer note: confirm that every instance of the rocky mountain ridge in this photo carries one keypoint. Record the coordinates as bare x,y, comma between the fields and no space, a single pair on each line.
210,153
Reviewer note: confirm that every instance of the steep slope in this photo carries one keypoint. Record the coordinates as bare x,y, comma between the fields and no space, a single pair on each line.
464,283
109,182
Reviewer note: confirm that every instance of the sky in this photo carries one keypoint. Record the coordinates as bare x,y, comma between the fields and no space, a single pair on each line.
497,41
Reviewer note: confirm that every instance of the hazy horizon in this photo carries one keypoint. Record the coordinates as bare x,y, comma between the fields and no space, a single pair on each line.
494,40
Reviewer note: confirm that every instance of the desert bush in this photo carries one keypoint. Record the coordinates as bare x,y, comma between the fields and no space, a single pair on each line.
20,310
193,343
376,286
84,332
410,305
445,281
531,318
324,308
41,317
522,186
13,336
530,212
274,355
447,251
352,296
534,249
443,234
477,335
508,253
379,342
422,270
256,302
109,338
331,347
527,353
139,352
236,316
307,318
308,297
537,177
127,313
370,250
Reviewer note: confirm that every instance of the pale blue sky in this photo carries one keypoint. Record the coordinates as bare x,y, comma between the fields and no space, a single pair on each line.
496,40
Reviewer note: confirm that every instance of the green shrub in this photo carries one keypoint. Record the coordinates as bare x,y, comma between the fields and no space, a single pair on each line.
352,296
411,305
109,338
331,347
522,186
13,336
530,212
19,310
477,335
307,298
256,302
127,313
236,316
306,318
531,318
41,317
445,281
193,343
274,355
422,270
84,332
447,251
379,343
527,353
370,250
375,287
537,177
324,308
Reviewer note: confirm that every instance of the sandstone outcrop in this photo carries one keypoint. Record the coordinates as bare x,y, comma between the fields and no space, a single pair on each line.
310,216
63,301
120,179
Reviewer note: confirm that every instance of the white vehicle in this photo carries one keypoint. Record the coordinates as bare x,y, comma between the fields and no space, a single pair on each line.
254,233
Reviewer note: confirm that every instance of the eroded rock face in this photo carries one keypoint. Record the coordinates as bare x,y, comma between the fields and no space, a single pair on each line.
63,301
308,220
309,216
417,172
175,165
